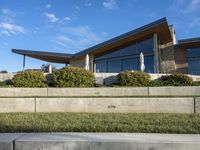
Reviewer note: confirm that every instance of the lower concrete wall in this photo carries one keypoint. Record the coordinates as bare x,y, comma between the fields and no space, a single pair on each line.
123,105
100,105
17,105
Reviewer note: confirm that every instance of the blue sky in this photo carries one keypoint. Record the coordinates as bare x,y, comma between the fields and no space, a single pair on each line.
73,25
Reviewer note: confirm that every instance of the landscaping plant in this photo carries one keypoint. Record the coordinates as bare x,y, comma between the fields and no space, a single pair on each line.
137,78
73,77
29,78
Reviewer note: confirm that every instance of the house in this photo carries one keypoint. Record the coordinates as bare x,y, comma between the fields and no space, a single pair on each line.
156,40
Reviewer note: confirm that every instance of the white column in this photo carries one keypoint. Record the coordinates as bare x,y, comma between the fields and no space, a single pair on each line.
87,62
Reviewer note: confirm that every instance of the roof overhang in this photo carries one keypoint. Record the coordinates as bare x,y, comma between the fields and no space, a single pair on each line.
188,43
160,27
46,56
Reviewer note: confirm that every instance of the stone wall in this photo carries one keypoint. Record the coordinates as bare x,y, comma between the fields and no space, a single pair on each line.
78,62
166,58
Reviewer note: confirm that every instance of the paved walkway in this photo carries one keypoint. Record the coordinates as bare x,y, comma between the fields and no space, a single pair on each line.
98,141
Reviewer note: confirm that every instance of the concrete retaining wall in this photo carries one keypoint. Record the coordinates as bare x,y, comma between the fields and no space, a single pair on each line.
23,92
103,105
125,100
101,92
99,141
17,105
122,105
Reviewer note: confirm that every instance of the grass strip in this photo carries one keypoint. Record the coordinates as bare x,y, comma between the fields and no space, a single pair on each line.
100,122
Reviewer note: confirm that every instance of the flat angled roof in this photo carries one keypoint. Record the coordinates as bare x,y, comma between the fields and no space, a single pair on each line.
159,26
47,56
188,43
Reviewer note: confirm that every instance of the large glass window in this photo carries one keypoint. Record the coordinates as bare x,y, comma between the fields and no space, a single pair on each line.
101,66
130,64
194,61
114,66
127,58
149,64
145,46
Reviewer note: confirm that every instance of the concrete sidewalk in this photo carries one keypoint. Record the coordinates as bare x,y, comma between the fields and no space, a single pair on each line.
98,141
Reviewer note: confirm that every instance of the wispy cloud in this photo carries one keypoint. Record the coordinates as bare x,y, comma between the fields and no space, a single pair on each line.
110,4
77,38
193,6
8,28
51,17
88,4
48,6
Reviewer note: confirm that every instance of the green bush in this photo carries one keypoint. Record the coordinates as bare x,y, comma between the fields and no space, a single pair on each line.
196,83
2,84
73,77
176,79
29,79
137,78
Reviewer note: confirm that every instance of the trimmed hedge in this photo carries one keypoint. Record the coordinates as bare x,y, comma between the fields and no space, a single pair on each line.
29,79
72,77
100,122
176,79
136,78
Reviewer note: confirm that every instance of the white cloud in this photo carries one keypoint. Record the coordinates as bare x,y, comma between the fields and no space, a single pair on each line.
51,17
110,4
8,28
77,38
48,6
67,18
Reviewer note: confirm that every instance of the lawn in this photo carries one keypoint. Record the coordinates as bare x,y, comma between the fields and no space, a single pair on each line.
88,122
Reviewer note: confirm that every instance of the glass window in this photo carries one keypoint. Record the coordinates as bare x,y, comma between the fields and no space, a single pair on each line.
194,52
193,61
149,64
130,64
145,45
114,66
194,66
101,66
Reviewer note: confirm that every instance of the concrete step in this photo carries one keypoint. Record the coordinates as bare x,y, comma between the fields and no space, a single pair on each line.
99,141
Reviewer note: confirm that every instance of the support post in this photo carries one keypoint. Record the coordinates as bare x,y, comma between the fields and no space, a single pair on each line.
156,59
24,62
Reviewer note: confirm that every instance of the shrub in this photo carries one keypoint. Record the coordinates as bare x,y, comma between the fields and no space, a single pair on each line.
73,77
3,71
2,84
176,79
137,78
196,83
29,79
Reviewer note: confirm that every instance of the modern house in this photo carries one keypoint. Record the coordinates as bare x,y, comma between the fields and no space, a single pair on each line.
157,41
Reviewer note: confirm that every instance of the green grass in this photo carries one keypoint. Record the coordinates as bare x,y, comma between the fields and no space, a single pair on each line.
88,122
